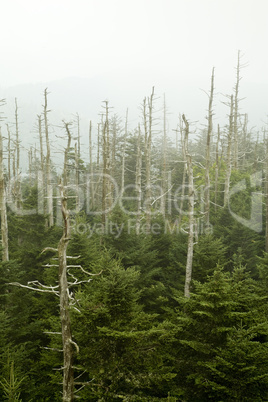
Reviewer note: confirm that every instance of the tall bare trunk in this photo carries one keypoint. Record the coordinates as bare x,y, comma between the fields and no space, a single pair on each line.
164,164
17,166
68,374
48,167
138,181
124,155
148,148
76,159
9,154
31,158
106,185
91,183
245,133
184,171
190,249
236,102
266,197
4,226
217,168
228,156
41,173
209,134
105,172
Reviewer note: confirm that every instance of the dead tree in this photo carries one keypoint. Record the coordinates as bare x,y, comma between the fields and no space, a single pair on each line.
124,154
67,343
164,162
4,226
228,156
190,249
48,167
148,148
181,129
41,172
266,196
209,135
62,289
217,163
105,169
92,190
236,103
9,154
138,181
77,163
17,160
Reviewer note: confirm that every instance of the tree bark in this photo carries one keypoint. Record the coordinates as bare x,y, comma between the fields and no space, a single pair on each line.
228,156
209,134
236,102
67,343
164,164
148,146
138,181
48,168
4,226
92,189
124,155
217,168
17,163
190,250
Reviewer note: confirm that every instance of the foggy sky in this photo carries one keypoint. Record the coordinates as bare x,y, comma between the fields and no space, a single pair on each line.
125,47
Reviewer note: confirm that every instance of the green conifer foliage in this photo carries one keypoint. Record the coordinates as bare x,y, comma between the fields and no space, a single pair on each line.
221,339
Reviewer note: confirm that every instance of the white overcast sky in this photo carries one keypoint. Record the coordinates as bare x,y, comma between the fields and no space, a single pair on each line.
165,43
43,40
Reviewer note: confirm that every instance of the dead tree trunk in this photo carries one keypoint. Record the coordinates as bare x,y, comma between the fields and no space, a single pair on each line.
164,164
236,102
48,168
217,168
266,198
184,171
68,374
190,250
228,156
104,176
209,134
77,164
245,135
41,172
9,154
4,226
138,181
124,155
76,160
92,189
17,166
148,147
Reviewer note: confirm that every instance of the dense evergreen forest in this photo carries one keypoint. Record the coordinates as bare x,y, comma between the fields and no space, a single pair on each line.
140,272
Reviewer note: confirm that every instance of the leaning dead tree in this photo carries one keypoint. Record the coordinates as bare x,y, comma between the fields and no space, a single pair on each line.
190,250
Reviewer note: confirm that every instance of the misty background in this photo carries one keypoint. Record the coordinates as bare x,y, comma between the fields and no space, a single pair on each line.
86,52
